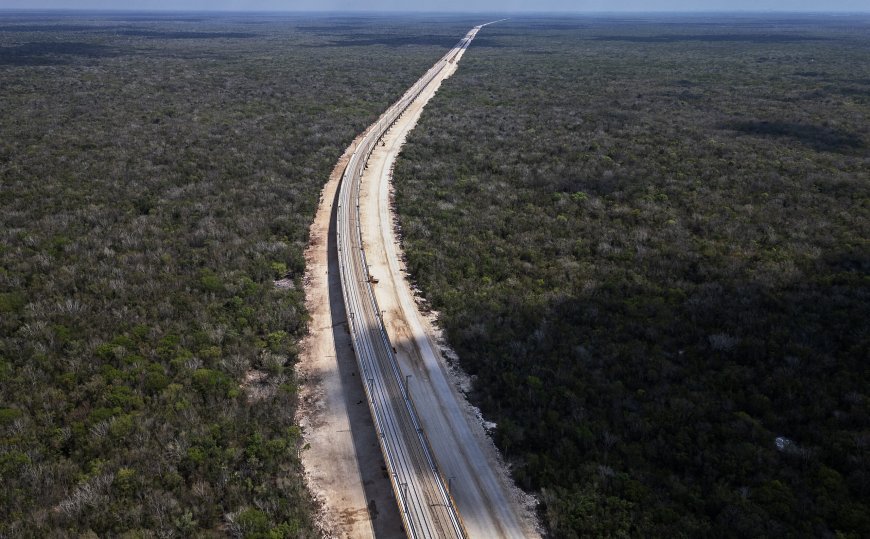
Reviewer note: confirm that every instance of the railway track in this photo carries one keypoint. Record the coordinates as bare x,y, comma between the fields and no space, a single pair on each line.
425,504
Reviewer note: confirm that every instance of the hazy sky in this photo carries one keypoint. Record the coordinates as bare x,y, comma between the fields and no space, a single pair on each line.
448,5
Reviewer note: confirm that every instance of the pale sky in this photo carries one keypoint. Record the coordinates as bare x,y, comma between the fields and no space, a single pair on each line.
500,6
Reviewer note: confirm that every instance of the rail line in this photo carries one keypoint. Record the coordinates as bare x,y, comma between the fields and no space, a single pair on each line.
425,504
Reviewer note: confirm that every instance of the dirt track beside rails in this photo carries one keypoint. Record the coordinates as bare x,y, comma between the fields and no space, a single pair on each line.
490,505
343,464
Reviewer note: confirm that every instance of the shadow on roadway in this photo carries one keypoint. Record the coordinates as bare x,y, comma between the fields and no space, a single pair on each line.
382,504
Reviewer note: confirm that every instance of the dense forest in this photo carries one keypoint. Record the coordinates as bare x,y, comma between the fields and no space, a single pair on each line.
157,179
647,240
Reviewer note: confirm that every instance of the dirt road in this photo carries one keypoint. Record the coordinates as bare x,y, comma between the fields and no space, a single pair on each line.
490,505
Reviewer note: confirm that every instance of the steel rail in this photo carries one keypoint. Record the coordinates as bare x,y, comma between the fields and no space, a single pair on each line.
426,507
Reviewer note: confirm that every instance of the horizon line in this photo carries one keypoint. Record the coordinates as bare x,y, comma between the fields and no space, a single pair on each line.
432,12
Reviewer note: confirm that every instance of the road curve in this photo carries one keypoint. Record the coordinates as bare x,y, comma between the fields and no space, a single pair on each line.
425,504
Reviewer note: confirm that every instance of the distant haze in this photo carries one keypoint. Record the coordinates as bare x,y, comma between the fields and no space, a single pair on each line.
448,5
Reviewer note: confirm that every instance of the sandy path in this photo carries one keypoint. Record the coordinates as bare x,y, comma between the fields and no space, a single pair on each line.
343,465
490,505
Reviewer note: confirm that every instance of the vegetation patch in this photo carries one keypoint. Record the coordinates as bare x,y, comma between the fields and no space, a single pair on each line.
153,188
651,252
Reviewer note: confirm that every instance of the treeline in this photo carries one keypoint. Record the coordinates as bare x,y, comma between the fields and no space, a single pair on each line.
153,186
650,249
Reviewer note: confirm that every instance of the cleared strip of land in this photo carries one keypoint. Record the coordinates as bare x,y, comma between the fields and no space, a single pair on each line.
425,505
487,500
435,448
